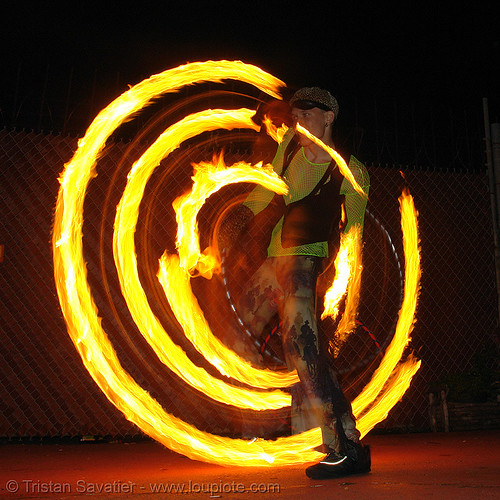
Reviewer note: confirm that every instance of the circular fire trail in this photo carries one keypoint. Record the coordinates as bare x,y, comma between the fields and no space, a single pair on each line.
263,387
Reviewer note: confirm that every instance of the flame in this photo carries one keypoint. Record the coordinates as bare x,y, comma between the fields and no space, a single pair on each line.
348,320
208,179
276,133
343,167
347,280
394,390
92,342
388,365
190,258
175,271
347,261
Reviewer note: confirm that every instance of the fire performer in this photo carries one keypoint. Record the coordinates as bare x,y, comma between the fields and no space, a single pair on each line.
303,224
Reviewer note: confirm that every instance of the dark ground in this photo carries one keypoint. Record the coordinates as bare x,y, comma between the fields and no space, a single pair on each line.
457,465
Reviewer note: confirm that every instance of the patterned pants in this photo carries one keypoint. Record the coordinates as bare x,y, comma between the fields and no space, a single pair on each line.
287,286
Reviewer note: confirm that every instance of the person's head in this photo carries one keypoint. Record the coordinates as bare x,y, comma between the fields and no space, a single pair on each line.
316,110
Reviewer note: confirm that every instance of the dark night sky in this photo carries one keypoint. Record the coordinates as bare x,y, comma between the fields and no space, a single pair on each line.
405,55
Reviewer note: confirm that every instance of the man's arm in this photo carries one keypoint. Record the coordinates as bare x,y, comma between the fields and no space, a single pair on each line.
355,204
260,197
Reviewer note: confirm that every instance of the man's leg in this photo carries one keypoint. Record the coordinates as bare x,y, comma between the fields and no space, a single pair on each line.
346,422
261,298
320,387
351,457
256,305
312,402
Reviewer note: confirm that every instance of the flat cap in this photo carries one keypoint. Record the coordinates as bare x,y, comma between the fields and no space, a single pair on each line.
310,97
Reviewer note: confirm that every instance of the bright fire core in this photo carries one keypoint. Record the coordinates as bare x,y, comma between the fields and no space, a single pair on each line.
372,405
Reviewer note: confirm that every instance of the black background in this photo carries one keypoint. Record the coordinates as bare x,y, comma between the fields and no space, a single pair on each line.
390,65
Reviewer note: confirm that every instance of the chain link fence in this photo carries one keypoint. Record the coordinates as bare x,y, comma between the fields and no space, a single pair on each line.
46,391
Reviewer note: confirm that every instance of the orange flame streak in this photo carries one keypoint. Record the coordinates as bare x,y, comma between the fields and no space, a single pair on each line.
344,169
91,341
348,269
348,321
406,317
394,390
81,314
183,303
276,133
176,284
346,263
136,404
208,179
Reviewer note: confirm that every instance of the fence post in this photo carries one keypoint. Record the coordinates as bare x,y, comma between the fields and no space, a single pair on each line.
493,182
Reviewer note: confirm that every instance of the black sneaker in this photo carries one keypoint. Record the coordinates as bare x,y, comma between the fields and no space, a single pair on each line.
357,460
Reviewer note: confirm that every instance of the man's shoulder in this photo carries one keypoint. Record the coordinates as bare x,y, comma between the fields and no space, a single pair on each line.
359,171
288,140
286,149
356,163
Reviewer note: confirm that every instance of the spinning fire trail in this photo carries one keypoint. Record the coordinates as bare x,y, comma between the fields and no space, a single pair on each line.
263,387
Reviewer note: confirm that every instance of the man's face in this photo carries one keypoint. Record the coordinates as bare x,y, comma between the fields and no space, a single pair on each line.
314,120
